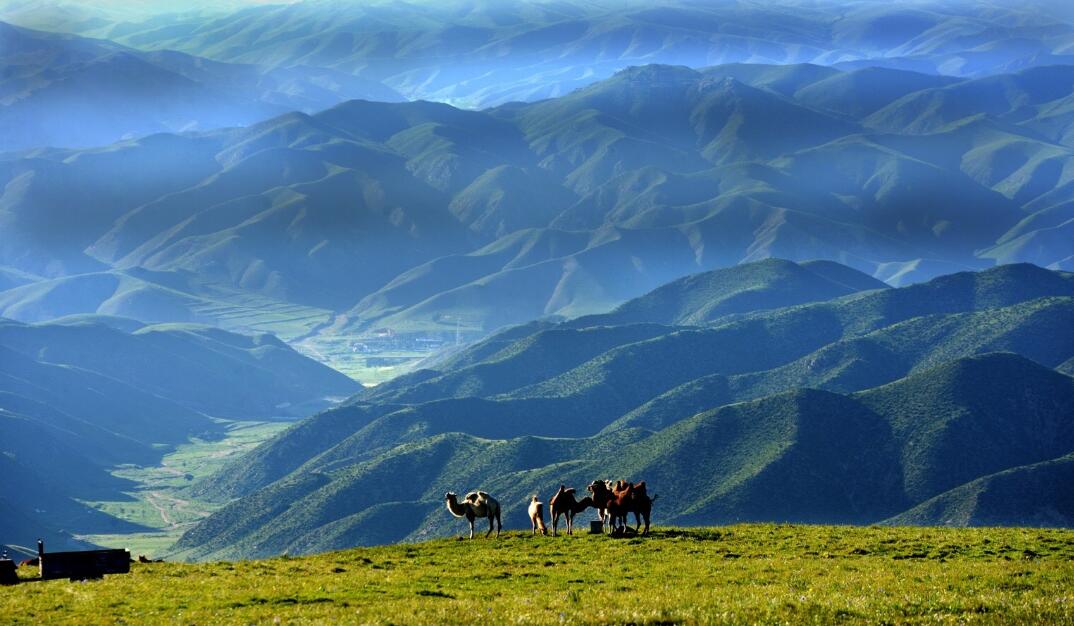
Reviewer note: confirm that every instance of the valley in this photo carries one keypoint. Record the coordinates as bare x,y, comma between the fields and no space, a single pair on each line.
159,500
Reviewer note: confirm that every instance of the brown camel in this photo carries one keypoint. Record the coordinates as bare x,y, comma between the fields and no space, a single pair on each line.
564,503
630,498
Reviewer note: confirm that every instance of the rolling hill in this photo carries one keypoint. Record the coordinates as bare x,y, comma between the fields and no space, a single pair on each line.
852,409
1035,495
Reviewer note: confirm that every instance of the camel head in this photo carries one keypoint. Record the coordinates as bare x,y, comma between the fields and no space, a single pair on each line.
449,496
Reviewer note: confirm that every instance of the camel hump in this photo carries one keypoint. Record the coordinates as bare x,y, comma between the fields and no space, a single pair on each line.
482,495
568,490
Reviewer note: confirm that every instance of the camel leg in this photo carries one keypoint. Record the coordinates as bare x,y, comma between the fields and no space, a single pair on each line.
499,523
492,519
570,523
637,521
471,521
555,522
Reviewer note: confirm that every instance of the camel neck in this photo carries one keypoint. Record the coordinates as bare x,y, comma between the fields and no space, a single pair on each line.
455,508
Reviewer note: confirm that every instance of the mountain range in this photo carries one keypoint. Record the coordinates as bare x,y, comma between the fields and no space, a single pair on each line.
824,397
421,217
479,54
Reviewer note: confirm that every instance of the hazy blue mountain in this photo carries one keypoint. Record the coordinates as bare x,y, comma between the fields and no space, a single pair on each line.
477,53
425,218
64,90
188,365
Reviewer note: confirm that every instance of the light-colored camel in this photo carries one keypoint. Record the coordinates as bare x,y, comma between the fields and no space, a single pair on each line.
474,505
536,512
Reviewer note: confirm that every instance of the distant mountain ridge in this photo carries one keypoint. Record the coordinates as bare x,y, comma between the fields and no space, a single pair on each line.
67,91
478,54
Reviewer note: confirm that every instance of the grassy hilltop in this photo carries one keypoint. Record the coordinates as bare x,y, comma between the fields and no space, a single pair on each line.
733,574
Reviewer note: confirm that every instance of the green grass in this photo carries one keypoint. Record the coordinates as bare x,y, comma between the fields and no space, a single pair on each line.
161,501
736,574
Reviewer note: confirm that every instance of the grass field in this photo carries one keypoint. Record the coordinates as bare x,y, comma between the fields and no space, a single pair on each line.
736,574
161,501
335,351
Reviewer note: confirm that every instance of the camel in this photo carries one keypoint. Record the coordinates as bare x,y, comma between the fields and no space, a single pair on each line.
476,504
602,496
537,516
563,503
630,498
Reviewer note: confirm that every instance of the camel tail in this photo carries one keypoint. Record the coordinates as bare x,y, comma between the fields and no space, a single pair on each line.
653,499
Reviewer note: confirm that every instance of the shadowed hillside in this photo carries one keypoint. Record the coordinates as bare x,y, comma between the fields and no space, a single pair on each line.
81,396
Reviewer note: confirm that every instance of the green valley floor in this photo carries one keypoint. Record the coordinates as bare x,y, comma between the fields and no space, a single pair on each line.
736,574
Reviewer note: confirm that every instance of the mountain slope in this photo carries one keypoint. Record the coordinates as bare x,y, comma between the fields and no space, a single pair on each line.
770,284
805,455
1033,495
